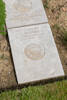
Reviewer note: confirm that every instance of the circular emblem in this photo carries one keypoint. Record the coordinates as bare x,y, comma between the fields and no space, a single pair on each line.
23,5
34,51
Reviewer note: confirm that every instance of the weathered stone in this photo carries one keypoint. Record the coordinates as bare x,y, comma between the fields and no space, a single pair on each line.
24,12
34,53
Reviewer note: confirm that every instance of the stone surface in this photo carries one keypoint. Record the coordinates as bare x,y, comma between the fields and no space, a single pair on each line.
34,53
24,12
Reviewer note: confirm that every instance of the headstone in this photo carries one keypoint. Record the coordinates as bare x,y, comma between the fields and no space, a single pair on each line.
24,12
34,53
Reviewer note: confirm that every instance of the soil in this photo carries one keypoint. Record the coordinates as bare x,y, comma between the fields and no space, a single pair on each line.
57,16
7,77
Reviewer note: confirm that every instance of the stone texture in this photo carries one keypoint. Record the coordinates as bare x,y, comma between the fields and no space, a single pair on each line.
34,53
24,12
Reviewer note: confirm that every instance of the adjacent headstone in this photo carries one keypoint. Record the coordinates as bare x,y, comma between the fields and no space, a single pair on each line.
34,53
24,12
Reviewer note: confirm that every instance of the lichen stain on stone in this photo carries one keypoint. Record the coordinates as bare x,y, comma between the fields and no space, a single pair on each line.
34,51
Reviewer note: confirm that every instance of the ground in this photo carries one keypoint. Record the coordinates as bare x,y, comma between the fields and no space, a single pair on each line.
57,16
55,91
7,77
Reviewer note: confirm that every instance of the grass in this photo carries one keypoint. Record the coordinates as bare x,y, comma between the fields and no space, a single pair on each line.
2,17
54,91
65,36
46,4
63,32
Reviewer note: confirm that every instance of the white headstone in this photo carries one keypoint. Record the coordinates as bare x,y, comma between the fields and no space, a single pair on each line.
24,12
34,53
